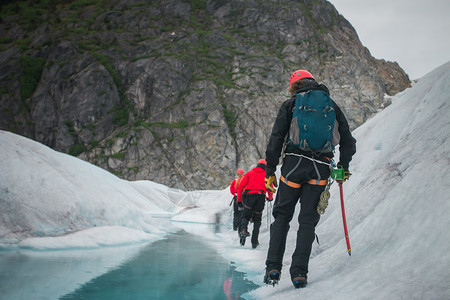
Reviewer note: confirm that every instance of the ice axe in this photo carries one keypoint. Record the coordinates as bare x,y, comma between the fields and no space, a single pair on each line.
339,175
232,200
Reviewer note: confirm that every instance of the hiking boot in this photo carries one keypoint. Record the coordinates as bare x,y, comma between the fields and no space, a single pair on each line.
255,244
272,277
300,281
244,233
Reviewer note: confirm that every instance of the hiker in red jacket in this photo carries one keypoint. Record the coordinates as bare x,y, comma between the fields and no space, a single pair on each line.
238,208
252,192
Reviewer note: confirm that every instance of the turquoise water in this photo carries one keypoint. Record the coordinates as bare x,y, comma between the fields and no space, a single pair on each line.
179,267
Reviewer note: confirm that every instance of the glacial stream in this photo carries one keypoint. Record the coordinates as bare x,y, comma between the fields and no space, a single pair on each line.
182,266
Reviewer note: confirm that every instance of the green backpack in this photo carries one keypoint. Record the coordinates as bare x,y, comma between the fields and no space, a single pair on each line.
313,122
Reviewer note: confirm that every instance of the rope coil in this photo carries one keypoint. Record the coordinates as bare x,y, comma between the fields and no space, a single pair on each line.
324,197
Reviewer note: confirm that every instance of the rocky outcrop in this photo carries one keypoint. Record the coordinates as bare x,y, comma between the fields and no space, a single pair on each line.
178,92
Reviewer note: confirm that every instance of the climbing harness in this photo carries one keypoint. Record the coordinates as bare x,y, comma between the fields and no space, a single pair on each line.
330,164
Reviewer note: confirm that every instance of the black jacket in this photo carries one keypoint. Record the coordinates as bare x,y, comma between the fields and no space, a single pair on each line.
280,130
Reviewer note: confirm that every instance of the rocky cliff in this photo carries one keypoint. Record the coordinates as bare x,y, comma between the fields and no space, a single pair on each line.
178,92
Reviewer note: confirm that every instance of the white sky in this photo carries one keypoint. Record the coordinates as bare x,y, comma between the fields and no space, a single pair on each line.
413,33
396,204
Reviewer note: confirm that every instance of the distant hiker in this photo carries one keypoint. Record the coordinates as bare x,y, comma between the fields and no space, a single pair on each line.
305,170
238,208
252,192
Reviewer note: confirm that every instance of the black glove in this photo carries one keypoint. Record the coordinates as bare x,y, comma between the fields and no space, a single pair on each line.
240,206
343,166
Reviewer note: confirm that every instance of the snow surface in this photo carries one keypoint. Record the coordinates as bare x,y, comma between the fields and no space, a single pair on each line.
397,206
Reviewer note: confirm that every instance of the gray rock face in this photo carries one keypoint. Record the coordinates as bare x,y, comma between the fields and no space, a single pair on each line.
178,92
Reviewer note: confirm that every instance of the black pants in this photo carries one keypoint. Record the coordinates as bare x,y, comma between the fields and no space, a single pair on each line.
237,214
253,209
287,198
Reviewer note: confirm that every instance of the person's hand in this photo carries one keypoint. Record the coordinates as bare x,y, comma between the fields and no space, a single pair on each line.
240,206
271,182
347,175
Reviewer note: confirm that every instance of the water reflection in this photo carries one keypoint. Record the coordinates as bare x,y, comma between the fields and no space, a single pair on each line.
36,275
179,267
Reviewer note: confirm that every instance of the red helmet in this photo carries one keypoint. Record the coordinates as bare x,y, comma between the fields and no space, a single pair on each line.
240,172
299,74
261,161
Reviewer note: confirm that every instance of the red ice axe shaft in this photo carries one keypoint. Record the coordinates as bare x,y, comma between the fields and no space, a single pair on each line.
344,220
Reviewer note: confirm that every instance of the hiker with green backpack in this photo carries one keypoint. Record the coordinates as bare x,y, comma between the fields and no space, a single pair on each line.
307,128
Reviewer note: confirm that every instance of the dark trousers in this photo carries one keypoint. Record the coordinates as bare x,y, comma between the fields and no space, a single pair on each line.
253,208
237,215
308,218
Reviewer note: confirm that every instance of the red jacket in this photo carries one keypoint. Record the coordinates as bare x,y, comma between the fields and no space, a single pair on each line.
253,182
235,185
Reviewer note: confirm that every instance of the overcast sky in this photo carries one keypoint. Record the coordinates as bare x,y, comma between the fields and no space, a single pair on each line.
415,34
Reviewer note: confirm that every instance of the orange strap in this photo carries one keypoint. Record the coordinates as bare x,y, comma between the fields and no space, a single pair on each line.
298,185
318,182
